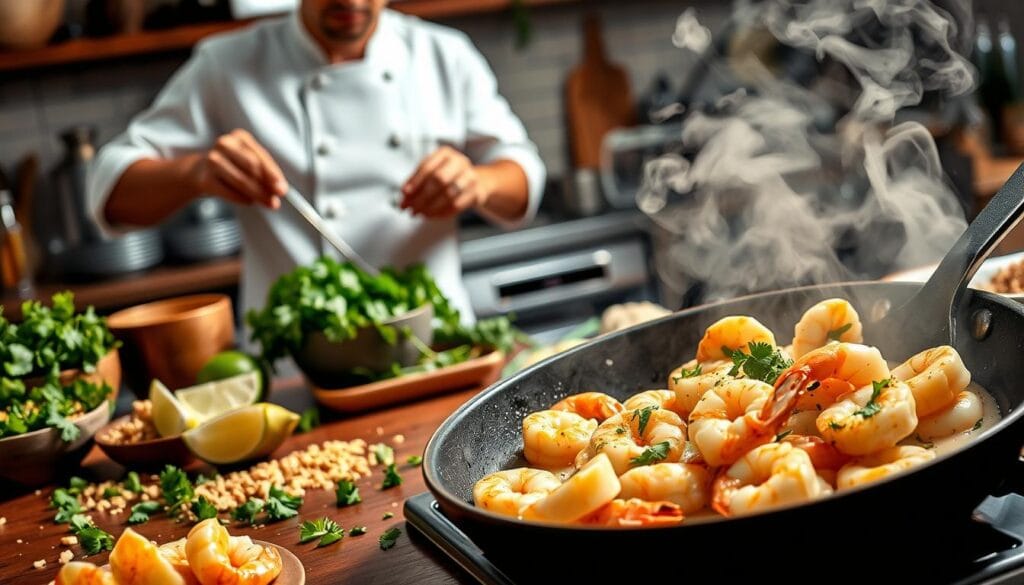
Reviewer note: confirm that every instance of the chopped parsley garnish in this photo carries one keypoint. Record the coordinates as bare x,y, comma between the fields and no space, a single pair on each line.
357,531
652,454
347,493
92,539
309,420
835,334
977,425
248,511
387,540
384,453
644,414
873,407
131,482
783,435
835,426
203,509
387,516
77,485
67,505
280,505
691,373
925,444
142,511
176,488
620,431
391,478
763,363
414,460
327,530
110,492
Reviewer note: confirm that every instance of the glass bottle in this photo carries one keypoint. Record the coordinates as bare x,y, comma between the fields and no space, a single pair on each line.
14,273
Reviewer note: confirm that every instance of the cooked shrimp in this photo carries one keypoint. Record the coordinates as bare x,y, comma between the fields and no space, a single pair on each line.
588,490
687,486
732,333
770,475
630,437
174,552
595,405
79,573
935,376
665,399
830,320
880,465
552,438
217,559
871,419
136,560
726,422
824,456
801,422
839,367
635,512
962,416
691,380
510,491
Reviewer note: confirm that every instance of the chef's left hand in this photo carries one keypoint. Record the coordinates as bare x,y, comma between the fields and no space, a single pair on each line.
445,184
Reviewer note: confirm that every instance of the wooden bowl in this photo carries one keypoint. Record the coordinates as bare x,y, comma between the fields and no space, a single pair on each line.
34,458
151,454
329,364
171,340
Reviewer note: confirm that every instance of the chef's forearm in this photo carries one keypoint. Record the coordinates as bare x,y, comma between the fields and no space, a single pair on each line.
151,190
508,189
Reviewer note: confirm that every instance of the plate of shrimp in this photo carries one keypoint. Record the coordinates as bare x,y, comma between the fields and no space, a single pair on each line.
208,555
745,426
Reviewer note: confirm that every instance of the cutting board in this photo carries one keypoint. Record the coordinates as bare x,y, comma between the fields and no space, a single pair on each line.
598,98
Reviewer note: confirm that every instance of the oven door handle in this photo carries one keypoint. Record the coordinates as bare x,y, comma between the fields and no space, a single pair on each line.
543,283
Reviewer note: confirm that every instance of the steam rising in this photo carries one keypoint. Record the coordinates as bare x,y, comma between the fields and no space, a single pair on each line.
797,185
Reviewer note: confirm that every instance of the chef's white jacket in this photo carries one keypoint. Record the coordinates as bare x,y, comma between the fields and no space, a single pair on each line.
347,136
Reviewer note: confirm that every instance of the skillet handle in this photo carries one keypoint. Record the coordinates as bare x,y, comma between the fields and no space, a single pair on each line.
945,290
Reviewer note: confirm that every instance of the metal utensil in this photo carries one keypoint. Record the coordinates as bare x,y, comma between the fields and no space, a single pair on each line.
313,217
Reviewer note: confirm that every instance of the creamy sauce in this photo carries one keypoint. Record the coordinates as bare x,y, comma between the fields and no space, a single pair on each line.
990,416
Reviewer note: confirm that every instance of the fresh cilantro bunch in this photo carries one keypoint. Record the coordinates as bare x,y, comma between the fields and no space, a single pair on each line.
338,299
48,340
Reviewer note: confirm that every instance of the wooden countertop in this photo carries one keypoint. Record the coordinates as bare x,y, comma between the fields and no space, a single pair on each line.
353,560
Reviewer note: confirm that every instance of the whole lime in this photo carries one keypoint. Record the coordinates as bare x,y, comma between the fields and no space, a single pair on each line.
231,363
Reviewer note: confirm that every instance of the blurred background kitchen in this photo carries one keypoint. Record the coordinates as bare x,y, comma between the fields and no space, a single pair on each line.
593,81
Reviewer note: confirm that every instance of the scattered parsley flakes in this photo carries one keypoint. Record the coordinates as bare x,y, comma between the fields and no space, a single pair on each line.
357,531
347,493
280,505
387,516
391,478
132,483
691,373
620,431
414,460
248,511
384,453
387,540
110,492
644,414
176,488
309,420
835,334
203,509
327,530
763,363
92,539
652,454
977,425
77,485
67,505
873,407
835,426
142,511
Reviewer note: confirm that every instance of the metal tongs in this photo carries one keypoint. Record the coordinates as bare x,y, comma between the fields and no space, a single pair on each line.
309,212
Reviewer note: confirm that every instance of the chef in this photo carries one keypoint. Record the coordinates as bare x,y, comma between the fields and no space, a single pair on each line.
389,125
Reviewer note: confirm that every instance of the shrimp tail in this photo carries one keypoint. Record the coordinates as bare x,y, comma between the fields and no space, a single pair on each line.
790,386
637,512
722,490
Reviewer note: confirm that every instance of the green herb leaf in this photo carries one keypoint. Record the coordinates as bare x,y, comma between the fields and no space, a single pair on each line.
357,531
110,492
414,460
280,505
652,454
132,483
783,435
327,530
176,488
67,505
391,478
309,420
977,425
384,453
387,516
142,511
644,414
873,407
835,426
387,540
248,511
763,363
203,509
77,485
835,334
92,539
347,493
688,373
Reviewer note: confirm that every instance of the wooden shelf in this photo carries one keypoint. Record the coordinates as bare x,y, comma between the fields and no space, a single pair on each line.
158,283
162,41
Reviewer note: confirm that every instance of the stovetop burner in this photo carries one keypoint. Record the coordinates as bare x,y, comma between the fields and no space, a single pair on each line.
988,548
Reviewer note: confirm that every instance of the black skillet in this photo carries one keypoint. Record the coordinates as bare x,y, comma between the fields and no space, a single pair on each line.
852,536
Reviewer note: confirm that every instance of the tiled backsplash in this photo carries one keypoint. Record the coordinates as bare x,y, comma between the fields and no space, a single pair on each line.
35,107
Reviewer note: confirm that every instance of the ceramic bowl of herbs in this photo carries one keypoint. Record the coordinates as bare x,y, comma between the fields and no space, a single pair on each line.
344,327
59,379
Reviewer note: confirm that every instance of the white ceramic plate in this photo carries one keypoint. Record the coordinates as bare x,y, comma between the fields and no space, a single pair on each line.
984,275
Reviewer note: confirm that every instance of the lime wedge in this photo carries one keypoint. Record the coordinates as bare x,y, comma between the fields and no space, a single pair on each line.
281,423
231,437
170,416
214,398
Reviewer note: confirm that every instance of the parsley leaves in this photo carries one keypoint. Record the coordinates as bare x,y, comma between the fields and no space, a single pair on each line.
280,505
873,407
347,493
391,478
414,460
327,530
763,363
132,483
248,511
652,454
383,452
835,334
92,539
357,531
644,414
387,540
203,509
309,420
142,511
176,488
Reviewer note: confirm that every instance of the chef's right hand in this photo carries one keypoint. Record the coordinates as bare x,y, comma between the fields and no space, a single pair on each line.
240,170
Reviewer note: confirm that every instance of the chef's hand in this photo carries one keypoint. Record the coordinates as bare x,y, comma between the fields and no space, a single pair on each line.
445,184
239,169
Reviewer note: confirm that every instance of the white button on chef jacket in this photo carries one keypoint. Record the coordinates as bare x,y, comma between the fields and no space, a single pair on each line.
347,136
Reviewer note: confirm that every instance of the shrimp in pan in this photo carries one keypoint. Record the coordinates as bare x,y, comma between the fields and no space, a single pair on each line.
637,437
726,423
881,465
959,417
685,485
770,475
691,380
827,321
553,438
732,333
592,487
635,512
511,491
935,376
658,398
871,419
595,405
